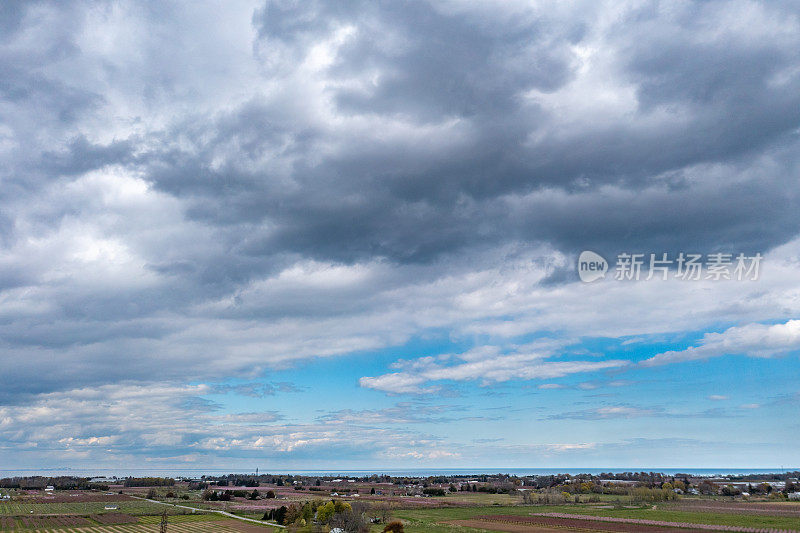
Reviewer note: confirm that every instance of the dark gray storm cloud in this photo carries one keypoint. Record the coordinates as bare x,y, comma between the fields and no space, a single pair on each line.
704,159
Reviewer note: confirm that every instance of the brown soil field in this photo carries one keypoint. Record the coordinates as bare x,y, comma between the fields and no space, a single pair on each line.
42,522
114,518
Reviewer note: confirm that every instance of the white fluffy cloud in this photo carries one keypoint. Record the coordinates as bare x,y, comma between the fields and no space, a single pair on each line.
125,424
487,365
755,340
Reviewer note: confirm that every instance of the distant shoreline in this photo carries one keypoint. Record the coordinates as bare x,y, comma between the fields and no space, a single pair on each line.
411,472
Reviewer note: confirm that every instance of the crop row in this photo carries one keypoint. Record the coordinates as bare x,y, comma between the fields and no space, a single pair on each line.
663,523
82,508
191,527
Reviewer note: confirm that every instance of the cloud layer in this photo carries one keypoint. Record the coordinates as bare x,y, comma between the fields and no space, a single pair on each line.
191,195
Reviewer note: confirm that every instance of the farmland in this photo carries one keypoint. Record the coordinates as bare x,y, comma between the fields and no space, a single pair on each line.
494,518
134,507
194,526
91,512
430,505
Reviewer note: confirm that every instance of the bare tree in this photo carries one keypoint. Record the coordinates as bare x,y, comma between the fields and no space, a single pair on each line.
381,511
350,522
164,522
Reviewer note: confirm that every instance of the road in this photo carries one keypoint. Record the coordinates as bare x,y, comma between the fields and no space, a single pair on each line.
223,513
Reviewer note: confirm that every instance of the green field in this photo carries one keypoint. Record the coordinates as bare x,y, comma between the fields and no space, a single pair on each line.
417,516
475,498
182,519
202,523
85,508
430,519
181,527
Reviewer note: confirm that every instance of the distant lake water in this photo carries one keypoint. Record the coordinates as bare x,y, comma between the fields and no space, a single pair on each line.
182,472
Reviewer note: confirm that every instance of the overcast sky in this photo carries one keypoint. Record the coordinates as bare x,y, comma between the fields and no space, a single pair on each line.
345,234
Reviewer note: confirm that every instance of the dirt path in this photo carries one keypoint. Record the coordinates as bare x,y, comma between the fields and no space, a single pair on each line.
223,513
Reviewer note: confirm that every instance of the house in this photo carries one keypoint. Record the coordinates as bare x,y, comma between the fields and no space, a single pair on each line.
794,495
111,507
49,488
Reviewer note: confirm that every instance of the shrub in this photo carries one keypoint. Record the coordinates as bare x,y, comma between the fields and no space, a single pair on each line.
394,527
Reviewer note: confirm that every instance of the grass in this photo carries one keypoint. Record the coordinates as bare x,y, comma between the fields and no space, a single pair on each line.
695,517
476,498
195,527
84,508
148,524
181,519
427,519
418,520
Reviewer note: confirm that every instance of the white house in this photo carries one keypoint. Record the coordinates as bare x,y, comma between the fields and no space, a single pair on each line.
794,495
49,488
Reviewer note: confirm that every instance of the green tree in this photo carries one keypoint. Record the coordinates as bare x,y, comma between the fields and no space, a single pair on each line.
280,514
339,506
325,512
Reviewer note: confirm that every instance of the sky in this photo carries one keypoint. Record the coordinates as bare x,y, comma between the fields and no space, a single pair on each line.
343,235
